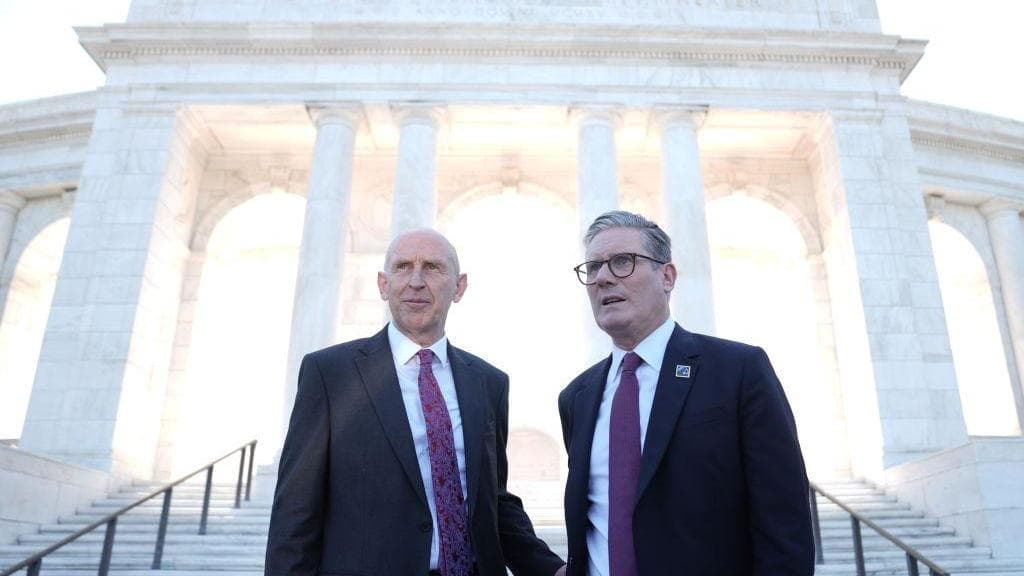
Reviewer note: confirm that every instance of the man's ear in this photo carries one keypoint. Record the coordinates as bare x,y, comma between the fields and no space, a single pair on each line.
669,276
382,285
460,287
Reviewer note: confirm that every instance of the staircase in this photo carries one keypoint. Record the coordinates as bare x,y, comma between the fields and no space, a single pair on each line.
236,539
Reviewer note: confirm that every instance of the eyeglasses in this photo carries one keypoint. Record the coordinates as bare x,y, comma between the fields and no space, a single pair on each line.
620,265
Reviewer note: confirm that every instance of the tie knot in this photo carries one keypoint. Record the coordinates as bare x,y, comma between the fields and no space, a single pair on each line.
426,356
631,361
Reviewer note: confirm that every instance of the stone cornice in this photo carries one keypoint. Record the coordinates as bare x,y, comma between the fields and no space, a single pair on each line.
50,120
126,43
966,132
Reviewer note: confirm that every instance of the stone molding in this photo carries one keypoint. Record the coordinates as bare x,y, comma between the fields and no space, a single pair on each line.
662,115
935,205
429,114
965,132
609,115
128,43
962,145
10,201
998,206
347,113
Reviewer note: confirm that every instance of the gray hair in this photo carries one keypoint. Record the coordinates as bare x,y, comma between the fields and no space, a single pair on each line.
656,241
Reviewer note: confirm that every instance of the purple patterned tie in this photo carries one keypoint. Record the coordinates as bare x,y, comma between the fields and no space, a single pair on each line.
455,558
623,468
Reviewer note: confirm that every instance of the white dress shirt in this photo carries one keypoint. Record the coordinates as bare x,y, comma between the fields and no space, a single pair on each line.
407,364
652,351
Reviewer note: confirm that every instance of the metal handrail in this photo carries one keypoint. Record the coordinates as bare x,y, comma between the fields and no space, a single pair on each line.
856,519
34,563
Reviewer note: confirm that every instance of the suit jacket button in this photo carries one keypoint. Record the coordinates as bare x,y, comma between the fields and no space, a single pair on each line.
425,526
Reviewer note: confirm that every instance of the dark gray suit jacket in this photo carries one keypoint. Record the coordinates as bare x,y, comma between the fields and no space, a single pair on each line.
350,499
722,488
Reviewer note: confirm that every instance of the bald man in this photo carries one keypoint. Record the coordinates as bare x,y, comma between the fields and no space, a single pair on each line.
394,462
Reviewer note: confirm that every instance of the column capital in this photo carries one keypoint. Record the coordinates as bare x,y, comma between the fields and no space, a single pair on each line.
347,113
583,115
424,113
10,201
666,115
935,204
999,206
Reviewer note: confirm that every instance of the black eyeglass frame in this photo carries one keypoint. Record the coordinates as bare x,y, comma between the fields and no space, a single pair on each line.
581,273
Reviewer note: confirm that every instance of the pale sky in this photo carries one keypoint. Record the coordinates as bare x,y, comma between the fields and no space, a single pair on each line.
972,61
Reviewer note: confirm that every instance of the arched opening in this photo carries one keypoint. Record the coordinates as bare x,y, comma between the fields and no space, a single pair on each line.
24,322
764,295
237,358
519,312
979,359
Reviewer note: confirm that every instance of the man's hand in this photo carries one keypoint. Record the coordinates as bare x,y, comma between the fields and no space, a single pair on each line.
560,571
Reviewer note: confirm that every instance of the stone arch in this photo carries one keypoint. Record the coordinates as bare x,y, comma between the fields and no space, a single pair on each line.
33,218
26,307
758,242
979,358
459,201
213,216
533,455
809,232
244,260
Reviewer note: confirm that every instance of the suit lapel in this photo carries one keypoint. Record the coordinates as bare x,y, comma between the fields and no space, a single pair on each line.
469,387
584,419
377,370
669,398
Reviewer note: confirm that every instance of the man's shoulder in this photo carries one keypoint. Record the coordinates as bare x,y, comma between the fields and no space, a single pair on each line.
350,348
722,347
588,375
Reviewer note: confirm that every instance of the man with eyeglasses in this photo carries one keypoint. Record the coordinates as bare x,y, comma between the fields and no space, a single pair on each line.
394,463
683,452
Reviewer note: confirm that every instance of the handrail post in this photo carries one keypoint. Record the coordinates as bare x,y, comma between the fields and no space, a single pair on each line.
858,546
206,500
819,552
252,458
241,470
911,565
108,547
161,533
33,568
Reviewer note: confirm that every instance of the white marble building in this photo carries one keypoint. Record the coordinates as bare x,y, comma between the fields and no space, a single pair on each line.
226,198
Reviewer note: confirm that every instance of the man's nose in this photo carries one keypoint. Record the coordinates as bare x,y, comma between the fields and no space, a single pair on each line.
604,275
416,278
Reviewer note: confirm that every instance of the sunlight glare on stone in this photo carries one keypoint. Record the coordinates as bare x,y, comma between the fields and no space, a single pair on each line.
239,347
764,296
24,321
520,310
978,353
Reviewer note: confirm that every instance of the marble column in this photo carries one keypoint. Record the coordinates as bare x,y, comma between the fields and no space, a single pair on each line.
686,223
415,197
597,172
1006,233
315,312
597,192
10,204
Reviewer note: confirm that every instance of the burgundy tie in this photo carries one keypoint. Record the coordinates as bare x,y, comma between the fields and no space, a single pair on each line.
623,468
455,558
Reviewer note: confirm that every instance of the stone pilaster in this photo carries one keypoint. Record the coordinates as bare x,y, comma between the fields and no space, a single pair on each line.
99,385
315,314
10,205
415,197
685,218
896,366
1007,236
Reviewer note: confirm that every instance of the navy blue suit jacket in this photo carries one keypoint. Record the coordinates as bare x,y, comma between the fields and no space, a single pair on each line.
722,487
350,499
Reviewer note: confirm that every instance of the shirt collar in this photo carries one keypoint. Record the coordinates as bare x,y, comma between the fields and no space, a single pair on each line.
651,349
403,348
